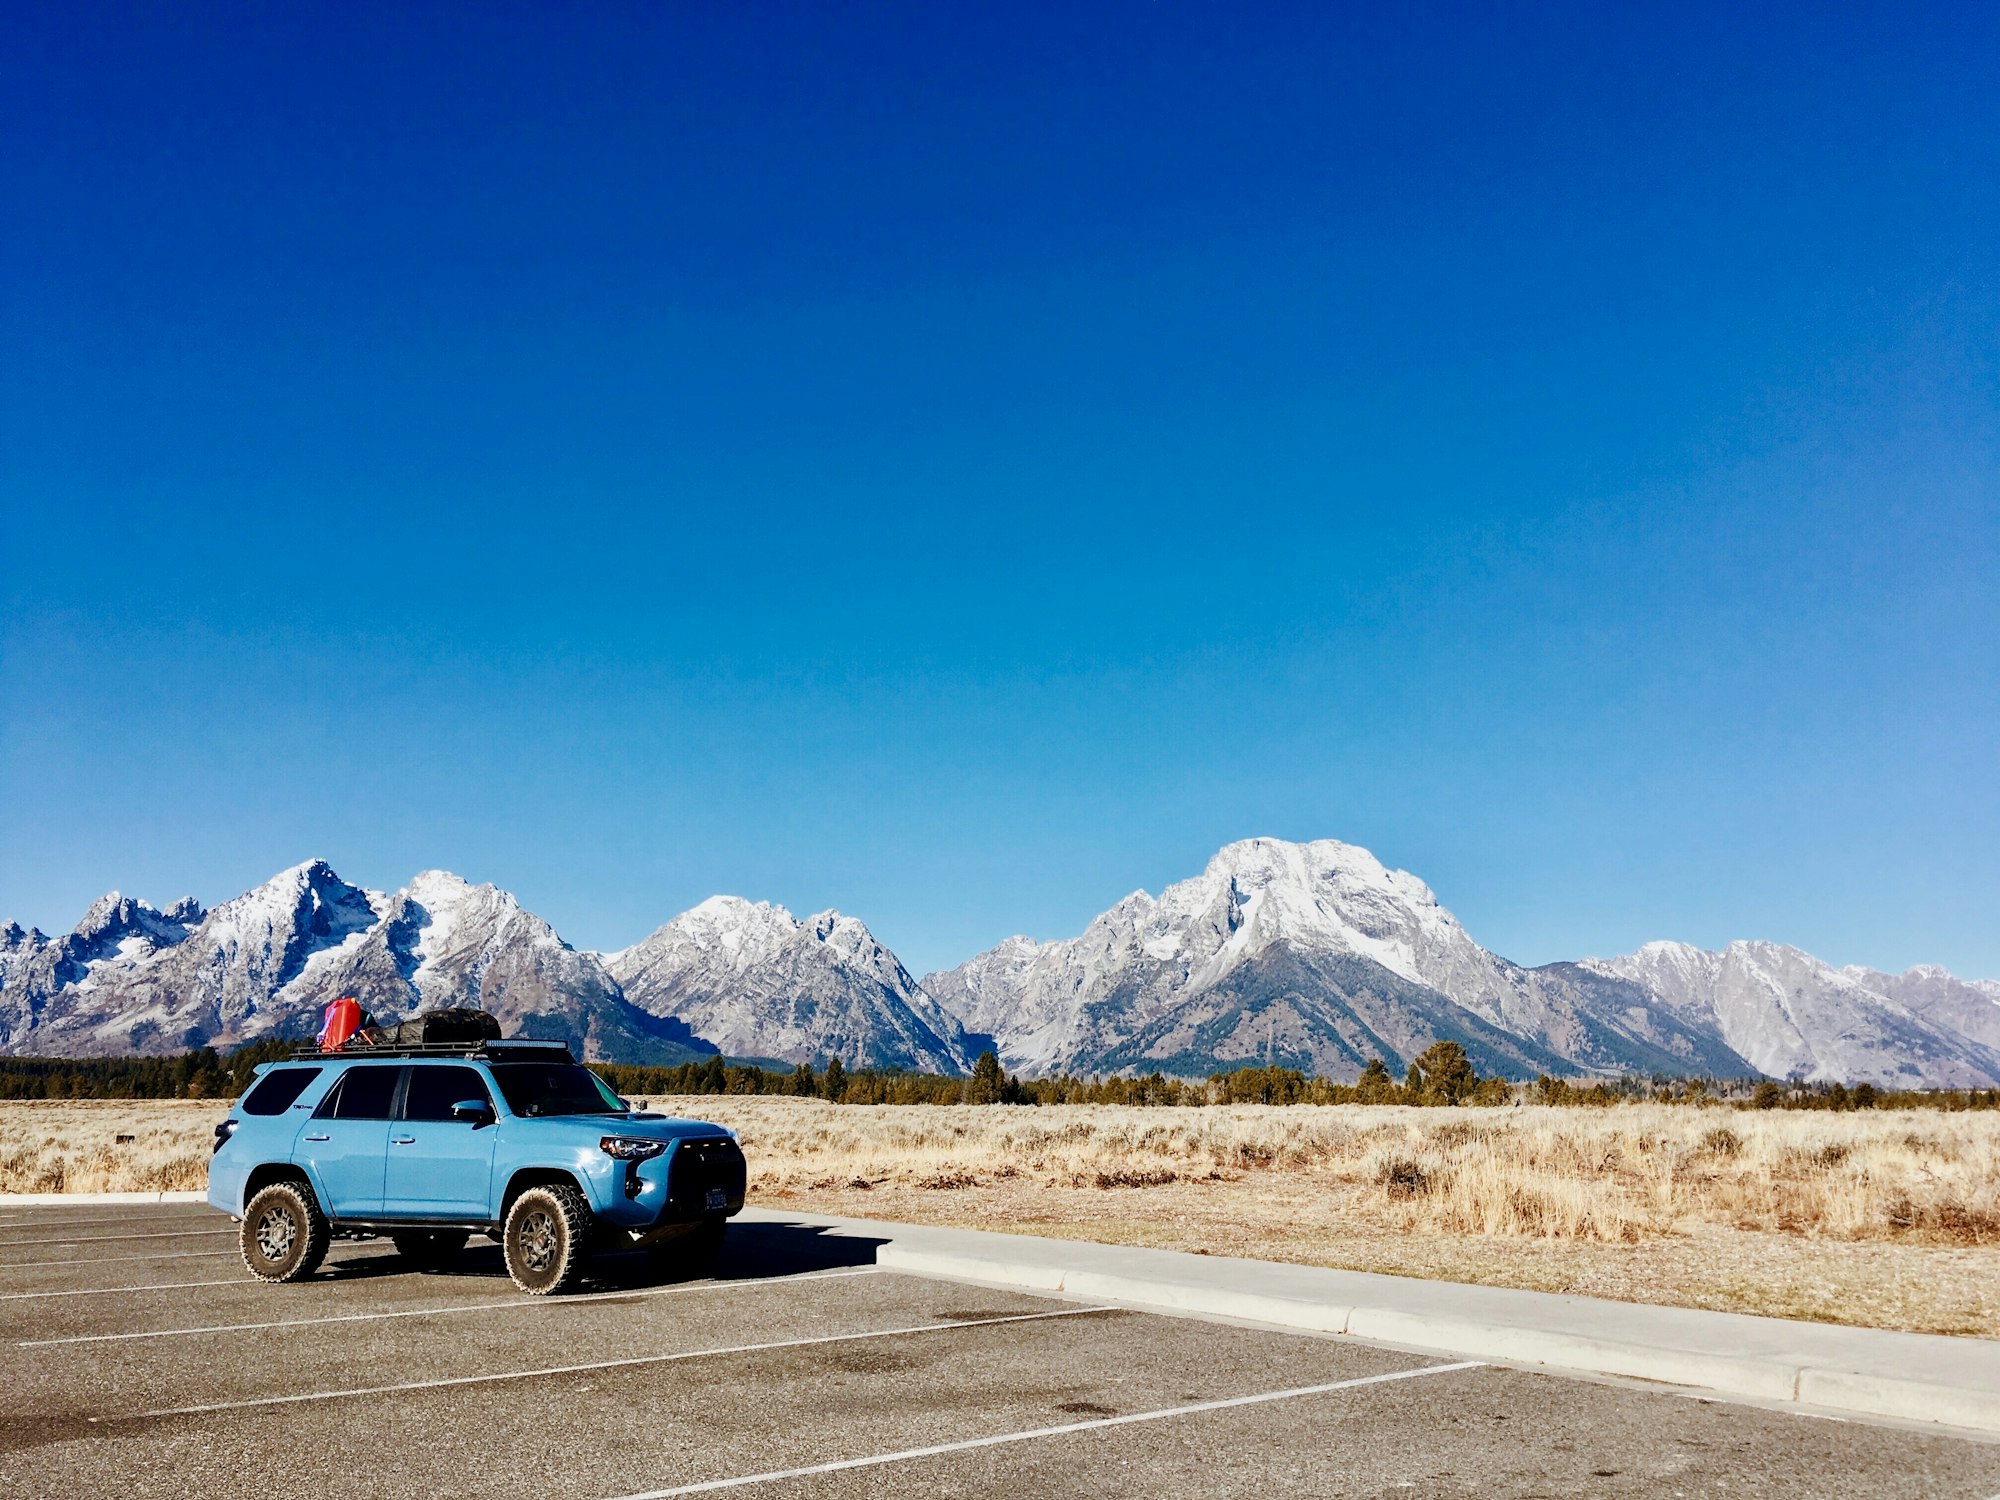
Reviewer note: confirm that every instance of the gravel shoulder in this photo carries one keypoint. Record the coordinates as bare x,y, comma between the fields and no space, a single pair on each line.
1915,1288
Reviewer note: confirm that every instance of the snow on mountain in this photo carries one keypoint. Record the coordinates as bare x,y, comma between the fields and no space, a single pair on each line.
123,982
759,982
444,941
1970,1007
1312,954
116,932
1793,1015
132,979
23,986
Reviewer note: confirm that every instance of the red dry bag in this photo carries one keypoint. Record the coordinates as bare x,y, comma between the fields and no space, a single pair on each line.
342,1020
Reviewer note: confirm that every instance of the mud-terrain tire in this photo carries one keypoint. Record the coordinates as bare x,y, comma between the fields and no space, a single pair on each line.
429,1249
546,1239
284,1235
694,1253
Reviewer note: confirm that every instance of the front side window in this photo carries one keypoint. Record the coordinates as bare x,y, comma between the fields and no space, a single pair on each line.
278,1090
364,1094
434,1090
554,1089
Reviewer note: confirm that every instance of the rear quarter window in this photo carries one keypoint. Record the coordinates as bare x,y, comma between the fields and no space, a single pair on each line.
278,1090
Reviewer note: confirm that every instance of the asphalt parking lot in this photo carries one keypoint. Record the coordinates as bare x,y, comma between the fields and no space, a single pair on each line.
139,1358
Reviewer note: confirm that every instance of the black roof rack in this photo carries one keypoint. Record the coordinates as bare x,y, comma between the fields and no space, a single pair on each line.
516,1049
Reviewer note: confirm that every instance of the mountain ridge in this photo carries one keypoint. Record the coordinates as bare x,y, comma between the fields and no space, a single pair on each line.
1383,947
1315,955
761,982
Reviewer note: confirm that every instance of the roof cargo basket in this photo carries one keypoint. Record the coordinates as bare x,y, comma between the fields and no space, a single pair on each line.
521,1049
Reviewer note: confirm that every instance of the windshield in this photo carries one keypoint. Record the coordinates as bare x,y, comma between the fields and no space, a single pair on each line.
554,1089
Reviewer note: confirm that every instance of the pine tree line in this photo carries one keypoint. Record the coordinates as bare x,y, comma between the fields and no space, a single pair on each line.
1441,1075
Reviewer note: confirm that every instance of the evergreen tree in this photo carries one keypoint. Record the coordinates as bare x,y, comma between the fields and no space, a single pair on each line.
1375,1084
988,1085
834,1085
1443,1073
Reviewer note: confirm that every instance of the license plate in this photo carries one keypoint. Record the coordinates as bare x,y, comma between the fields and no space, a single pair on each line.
717,1198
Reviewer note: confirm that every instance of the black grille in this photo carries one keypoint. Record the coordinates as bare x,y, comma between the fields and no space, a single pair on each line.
695,1169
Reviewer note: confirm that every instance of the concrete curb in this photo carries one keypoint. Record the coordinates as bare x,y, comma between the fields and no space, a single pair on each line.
1865,1372
84,1200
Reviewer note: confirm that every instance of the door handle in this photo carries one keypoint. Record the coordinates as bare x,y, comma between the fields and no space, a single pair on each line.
319,1138
402,1140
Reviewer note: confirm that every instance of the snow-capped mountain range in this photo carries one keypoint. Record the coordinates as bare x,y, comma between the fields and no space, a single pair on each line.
1789,1013
132,979
1316,956
1311,955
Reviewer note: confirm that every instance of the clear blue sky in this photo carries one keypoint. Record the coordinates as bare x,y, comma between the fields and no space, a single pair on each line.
961,464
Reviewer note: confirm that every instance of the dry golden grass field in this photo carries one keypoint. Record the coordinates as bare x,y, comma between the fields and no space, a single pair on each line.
1889,1219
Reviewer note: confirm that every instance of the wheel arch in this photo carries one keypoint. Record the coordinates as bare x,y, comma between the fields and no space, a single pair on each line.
524,1178
266,1173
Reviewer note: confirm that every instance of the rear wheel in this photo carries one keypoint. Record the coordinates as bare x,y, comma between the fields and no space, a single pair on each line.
546,1240
429,1249
284,1235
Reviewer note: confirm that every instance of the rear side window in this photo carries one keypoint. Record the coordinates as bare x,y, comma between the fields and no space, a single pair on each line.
278,1090
365,1093
434,1090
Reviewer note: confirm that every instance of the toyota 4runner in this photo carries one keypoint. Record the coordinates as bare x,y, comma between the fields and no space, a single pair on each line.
431,1145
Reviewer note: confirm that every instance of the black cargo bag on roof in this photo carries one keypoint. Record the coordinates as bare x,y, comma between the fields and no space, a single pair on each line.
456,1026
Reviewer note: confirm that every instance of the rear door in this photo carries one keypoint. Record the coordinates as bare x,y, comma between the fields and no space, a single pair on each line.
347,1139
438,1167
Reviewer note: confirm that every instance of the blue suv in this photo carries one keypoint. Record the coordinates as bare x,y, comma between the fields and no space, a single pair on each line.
430,1145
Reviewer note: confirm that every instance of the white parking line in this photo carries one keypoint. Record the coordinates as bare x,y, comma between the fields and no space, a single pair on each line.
517,1303
110,1260
603,1364
151,1216
107,1239
113,1291
1033,1433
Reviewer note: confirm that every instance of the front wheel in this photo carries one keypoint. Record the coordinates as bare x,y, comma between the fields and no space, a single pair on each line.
285,1235
546,1239
429,1249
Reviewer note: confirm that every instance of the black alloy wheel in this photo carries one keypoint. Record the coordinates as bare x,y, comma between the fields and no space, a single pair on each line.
546,1240
285,1235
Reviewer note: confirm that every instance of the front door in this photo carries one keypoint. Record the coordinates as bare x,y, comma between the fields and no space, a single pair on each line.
347,1139
440,1168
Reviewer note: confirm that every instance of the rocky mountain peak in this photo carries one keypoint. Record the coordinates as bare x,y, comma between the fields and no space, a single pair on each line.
1794,1015
759,982
119,925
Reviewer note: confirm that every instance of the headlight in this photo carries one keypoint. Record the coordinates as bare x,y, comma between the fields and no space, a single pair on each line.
631,1148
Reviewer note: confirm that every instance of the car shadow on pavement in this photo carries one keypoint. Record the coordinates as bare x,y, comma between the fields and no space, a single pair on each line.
766,1249
750,1252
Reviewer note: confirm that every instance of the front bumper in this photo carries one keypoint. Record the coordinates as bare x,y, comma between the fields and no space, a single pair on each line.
680,1186
706,1175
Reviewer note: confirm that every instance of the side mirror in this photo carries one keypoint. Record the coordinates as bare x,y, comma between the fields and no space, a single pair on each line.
473,1111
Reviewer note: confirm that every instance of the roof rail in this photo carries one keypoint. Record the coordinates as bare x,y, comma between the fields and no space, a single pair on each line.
491,1051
